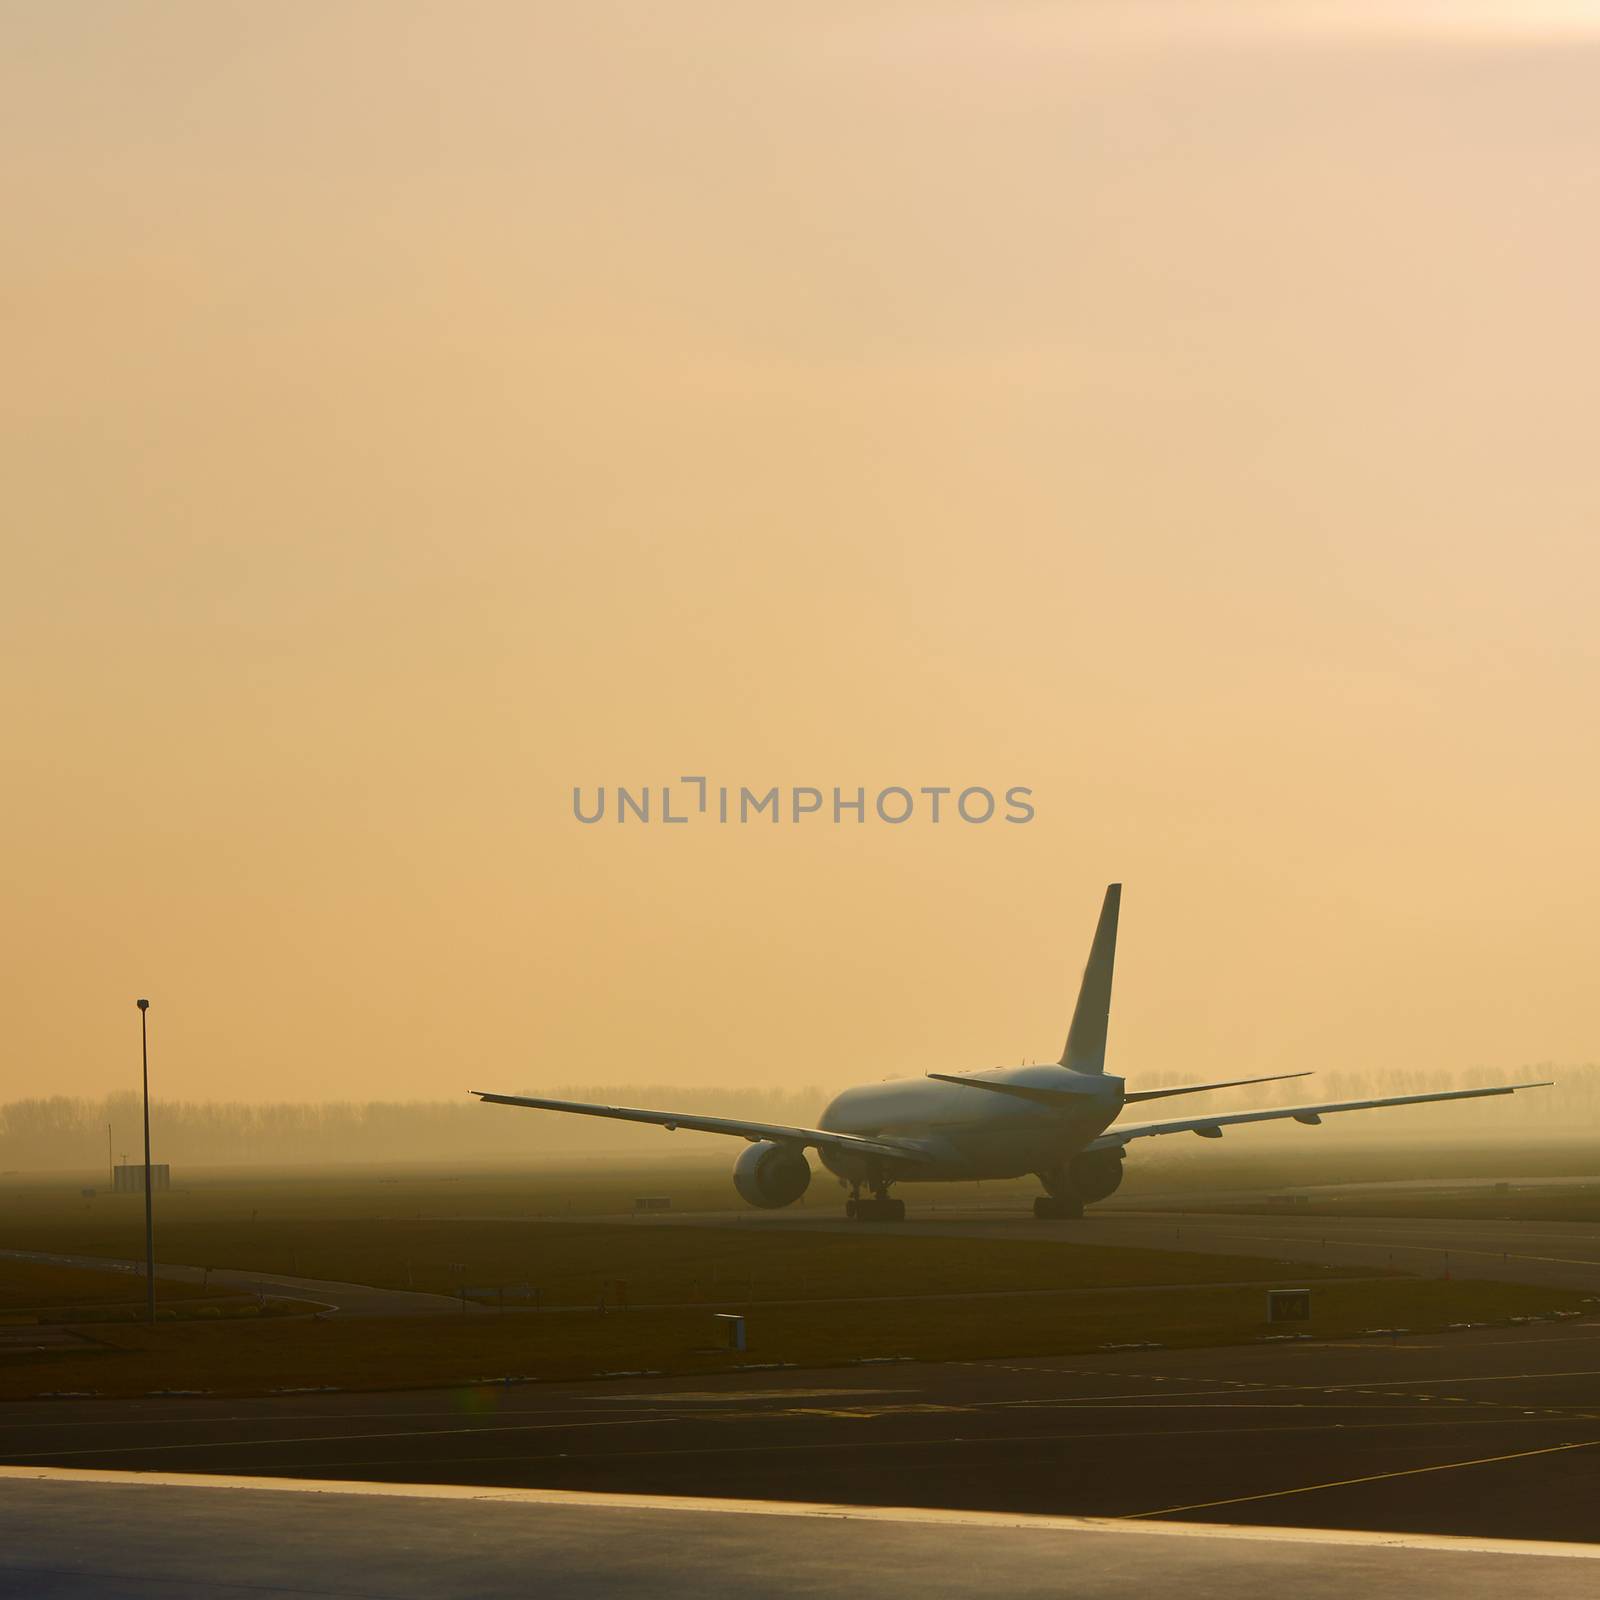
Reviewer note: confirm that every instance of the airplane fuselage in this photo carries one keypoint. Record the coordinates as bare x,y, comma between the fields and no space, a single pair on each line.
1058,1122
971,1133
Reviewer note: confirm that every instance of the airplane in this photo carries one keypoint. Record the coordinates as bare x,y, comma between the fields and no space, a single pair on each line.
1056,1121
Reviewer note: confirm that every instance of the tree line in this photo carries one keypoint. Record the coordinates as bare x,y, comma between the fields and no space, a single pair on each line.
63,1133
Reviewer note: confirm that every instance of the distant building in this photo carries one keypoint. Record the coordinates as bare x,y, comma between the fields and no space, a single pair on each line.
129,1179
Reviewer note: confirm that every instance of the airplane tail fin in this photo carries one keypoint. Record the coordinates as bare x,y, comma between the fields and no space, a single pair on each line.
1086,1039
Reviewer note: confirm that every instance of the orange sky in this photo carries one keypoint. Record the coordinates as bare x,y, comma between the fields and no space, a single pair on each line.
412,411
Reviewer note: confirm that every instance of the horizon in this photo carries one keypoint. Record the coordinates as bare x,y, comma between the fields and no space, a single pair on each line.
45,1134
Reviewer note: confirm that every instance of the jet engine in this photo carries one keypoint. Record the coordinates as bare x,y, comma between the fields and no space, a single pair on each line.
1095,1174
771,1175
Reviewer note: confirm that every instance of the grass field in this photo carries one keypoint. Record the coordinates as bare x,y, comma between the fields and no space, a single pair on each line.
34,1294
438,1230
38,1285
811,1297
429,1232
551,1191
1311,1158
575,1263
1531,1203
254,1358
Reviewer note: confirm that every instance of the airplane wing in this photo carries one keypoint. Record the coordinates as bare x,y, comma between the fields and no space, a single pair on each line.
1211,1127
901,1150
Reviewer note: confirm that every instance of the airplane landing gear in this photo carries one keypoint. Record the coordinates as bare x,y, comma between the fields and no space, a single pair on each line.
880,1208
1048,1208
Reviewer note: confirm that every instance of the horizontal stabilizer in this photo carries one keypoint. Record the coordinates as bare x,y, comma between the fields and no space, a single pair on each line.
1062,1098
1203,1088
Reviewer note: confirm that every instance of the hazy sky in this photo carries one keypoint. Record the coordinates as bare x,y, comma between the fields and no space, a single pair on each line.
412,411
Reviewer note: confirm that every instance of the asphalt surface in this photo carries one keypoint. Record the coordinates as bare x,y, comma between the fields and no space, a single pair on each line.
137,1540
1492,1432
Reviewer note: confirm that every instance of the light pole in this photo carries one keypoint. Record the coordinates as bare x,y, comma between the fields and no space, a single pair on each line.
149,1197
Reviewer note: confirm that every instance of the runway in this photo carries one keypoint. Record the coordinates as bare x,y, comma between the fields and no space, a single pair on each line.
130,1539
1494,1432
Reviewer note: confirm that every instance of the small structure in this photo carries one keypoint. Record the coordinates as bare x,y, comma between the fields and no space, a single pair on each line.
129,1177
1288,1305
653,1202
733,1326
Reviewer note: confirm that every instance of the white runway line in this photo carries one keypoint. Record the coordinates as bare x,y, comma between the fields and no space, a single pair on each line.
1371,1477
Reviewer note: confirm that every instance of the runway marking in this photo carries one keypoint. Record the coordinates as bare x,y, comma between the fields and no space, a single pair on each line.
1374,1477
1167,1396
1370,1386
576,1498
348,1438
1580,1331
856,1414
1010,1443
203,1420
1320,1241
1380,1389
1185,1391
860,1414
1283,1406
1367,1344
1374,1384
726,1396
1139,1402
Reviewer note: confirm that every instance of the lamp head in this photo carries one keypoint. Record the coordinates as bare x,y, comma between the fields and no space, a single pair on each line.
144,1005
